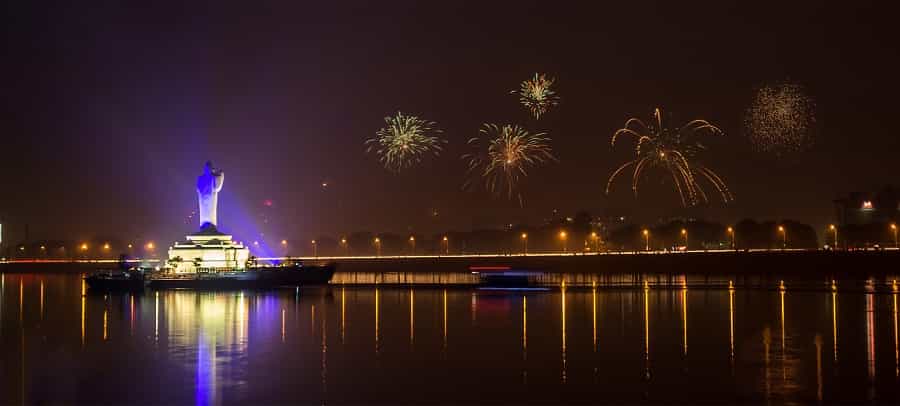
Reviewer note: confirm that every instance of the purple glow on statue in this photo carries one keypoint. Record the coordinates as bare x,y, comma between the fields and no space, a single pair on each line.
209,184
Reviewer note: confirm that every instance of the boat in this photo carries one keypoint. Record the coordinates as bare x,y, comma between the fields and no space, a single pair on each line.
116,280
505,278
255,277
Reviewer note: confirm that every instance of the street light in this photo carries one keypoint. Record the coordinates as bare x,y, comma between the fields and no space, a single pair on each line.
315,248
894,230
565,241
446,242
106,246
346,247
524,243
646,234
412,241
596,239
784,236
731,231
84,246
377,247
685,234
834,230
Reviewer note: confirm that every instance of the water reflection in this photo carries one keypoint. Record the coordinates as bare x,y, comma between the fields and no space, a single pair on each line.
563,316
195,346
646,331
684,317
896,346
524,339
834,331
412,316
377,349
594,318
870,339
83,304
731,325
783,357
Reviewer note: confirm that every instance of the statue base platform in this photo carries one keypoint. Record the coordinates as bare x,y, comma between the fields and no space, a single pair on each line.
207,250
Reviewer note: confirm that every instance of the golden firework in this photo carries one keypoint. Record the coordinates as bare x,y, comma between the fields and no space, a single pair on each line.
673,150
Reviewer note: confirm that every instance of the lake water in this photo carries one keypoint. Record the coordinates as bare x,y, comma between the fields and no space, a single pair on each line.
431,345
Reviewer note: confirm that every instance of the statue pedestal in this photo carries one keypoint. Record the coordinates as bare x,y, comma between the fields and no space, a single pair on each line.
208,250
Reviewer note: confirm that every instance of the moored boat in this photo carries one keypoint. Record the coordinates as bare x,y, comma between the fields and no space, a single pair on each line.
117,280
295,274
505,278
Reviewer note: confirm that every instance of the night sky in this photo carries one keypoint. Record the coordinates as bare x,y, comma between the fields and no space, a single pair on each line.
112,109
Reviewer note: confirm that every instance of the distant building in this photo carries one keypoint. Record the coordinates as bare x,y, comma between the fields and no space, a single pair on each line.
860,208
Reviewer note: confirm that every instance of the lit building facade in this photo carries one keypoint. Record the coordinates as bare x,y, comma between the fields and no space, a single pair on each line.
861,208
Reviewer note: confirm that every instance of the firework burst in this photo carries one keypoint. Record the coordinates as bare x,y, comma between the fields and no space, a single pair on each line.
511,151
780,118
537,94
405,141
673,150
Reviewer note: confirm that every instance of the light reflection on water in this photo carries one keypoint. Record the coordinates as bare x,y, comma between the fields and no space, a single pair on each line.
347,344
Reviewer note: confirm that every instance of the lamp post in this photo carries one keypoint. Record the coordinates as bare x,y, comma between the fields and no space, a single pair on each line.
646,234
412,242
783,236
524,243
377,247
315,249
894,230
834,230
565,241
596,240
284,247
446,242
731,231
345,246
684,234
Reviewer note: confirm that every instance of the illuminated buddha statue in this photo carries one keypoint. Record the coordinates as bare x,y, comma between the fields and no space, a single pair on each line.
209,184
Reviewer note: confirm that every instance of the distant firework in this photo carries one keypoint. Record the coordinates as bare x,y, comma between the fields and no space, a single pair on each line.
537,94
405,141
511,151
780,119
674,151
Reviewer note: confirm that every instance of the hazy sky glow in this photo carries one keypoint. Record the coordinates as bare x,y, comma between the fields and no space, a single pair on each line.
113,109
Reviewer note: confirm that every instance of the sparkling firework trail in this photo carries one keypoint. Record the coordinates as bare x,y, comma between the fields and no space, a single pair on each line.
780,118
511,152
405,141
537,94
672,150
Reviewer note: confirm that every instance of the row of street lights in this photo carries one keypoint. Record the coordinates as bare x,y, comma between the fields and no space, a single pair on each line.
563,236
781,230
445,245
84,247
834,230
